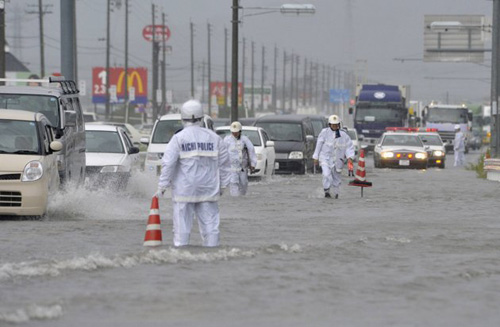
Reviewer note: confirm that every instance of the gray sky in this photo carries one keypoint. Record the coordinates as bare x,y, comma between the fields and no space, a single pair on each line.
363,35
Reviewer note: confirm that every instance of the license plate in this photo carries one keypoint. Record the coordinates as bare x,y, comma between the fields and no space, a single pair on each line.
404,162
276,165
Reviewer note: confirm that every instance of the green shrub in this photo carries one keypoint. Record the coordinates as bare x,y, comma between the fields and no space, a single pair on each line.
479,167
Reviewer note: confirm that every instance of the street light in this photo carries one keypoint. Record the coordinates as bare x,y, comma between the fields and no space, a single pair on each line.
285,9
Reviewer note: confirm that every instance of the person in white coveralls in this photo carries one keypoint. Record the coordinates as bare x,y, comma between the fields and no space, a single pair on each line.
332,147
196,165
242,158
459,147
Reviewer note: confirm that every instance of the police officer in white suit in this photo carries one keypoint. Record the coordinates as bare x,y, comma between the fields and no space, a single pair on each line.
459,147
332,147
242,158
196,165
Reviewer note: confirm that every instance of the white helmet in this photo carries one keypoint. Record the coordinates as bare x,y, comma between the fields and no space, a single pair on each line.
191,110
457,127
235,127
333,120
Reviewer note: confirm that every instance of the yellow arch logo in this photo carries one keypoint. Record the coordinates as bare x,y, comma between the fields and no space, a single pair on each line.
134,75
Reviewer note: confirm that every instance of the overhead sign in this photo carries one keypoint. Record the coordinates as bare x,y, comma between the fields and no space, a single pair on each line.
161,32
137,79
339,96
455,38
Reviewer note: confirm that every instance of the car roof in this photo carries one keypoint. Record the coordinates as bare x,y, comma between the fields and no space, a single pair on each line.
244,127
428,133
399,133
30,90
282,118
13,114
101,127
177,117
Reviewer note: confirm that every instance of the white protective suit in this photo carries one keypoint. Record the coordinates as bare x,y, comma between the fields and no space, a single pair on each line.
459,149
196,165
241,157
331,153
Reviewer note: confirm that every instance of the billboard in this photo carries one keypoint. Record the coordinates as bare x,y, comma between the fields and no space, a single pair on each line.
257,92
217,93
137,78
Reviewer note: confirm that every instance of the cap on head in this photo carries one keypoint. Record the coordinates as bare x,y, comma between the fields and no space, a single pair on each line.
191,110
457,127
235,127
333,120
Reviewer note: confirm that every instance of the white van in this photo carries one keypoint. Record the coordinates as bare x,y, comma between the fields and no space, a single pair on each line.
61,105
163,130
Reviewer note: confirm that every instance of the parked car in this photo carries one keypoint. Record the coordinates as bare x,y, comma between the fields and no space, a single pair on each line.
293,137
247,121
163,130
318,123
400,150
111,157
218,122
264,148
28,163
144,129
436,150
132,132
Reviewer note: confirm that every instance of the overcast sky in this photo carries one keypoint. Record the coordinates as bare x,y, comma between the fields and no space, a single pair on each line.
363,35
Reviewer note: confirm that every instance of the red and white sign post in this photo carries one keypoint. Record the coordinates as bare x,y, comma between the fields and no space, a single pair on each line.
161,32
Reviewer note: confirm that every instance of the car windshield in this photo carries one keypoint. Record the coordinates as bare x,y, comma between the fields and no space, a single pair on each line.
352,134
103,142
318,126
281,131
402,140
44,104
431,139
18,137
446,115
377,114
165,129
253,136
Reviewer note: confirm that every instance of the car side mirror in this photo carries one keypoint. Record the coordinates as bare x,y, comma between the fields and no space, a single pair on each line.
56,146
309,138
133,150
144,140
69,118
270,144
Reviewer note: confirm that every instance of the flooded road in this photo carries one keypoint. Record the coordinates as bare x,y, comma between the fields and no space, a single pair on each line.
420,248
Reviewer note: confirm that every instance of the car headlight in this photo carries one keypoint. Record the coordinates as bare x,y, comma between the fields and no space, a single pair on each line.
421,155
33,171
438,153
296,155
153,156
113,169
387,154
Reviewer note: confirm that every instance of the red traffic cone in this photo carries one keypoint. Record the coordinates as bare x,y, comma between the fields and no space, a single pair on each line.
153,230
360,177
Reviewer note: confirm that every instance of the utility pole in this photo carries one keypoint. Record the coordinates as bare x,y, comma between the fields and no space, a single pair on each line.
297,63
163,67
252,72
323,76
304,83
243,68
209,73
283,106
191,25
68,39
225,68
292,60
2,40
203,81
125,88
156,50
263,72
495,81
41,11
234,64
108,11
311,79
275,77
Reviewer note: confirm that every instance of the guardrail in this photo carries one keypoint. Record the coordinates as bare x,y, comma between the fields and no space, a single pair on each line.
492,168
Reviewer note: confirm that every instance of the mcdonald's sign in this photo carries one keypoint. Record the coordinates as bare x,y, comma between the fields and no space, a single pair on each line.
137,78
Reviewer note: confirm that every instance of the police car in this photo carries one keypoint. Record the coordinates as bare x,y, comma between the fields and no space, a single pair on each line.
400,149
436,150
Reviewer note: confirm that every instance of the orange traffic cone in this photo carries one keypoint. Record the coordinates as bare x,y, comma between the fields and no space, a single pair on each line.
360,177
350,168
153,230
